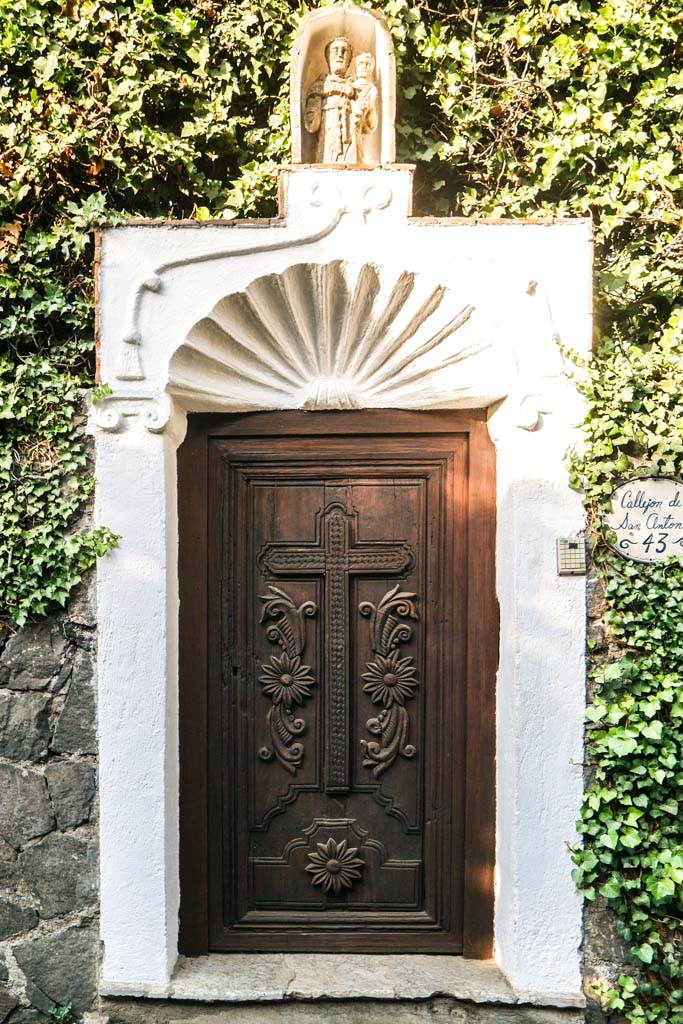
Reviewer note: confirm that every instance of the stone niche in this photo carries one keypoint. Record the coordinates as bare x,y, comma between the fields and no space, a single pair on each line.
368,33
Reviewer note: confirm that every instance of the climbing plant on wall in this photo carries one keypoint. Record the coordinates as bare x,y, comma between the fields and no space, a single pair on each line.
157,109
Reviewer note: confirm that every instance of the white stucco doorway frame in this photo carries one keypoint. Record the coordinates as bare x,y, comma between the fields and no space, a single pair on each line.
191,320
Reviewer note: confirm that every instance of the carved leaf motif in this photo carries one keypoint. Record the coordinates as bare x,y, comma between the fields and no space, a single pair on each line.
390,680
285,679
289,627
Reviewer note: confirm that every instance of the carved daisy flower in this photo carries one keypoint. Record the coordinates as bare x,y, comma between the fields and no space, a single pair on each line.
334,867
286,681
390,679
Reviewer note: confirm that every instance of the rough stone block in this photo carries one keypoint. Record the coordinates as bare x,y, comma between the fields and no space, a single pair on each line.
8,1002
60,968
82,608
601,938
72,786
24,726
8,864
32,656
596,605
596,636
15,919
80,636
75,731
61,871
25,810
4,972
29,1016
62,677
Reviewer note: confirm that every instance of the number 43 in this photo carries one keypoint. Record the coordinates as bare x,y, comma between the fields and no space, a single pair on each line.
661,543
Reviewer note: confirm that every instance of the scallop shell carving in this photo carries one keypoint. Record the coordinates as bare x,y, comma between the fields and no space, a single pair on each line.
336,335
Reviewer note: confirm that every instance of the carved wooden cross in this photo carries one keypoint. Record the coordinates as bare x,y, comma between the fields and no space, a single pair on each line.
336,555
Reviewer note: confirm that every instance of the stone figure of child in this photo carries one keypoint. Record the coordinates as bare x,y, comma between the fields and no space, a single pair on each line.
364,106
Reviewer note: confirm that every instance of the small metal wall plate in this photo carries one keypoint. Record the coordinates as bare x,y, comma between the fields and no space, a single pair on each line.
571,556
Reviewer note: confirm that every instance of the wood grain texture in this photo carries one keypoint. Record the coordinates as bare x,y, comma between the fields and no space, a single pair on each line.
192,571
380,855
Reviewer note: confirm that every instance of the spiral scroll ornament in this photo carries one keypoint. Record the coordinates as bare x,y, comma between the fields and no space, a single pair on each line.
285,679
390,680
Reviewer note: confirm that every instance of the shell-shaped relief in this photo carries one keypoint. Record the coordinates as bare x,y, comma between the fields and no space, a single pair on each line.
336,335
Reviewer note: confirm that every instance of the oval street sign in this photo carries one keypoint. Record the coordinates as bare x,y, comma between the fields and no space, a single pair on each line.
647,518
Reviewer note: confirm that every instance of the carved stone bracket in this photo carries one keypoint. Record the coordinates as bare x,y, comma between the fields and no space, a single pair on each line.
115,412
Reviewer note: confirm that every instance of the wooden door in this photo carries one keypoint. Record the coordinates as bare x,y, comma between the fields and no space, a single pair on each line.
338,638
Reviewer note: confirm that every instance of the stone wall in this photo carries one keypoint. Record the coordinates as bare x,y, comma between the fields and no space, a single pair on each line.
48,826
48,815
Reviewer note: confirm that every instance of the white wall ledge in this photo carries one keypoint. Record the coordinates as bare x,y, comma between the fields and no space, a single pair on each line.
280,977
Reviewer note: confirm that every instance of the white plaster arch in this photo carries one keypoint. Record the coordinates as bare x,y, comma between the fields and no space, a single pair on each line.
340,335
484,305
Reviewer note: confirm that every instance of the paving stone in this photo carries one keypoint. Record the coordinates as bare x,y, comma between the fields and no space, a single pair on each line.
75,731
71,785
25,810
60,968
24,725
61,872
32,656
15,919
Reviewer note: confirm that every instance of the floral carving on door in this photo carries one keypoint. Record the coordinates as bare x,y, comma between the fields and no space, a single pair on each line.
390,680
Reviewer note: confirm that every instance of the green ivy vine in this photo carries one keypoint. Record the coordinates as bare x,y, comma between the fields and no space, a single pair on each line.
631,819
522,108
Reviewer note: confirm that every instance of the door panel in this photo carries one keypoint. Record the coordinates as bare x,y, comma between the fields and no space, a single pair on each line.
337,577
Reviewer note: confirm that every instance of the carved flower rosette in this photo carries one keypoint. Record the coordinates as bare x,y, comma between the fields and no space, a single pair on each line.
334,866
285,679
390,680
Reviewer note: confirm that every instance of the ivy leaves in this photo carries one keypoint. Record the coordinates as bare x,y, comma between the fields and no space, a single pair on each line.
43,483
522,108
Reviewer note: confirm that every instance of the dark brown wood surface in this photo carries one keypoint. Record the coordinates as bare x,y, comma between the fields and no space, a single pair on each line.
338,656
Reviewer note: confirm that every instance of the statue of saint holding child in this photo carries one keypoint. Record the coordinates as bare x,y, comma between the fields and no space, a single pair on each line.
341,109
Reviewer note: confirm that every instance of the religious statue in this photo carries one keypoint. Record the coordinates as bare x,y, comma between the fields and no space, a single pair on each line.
364,104
339,109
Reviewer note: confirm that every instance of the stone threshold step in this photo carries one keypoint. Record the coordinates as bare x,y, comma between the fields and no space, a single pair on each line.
286,978
431,1011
